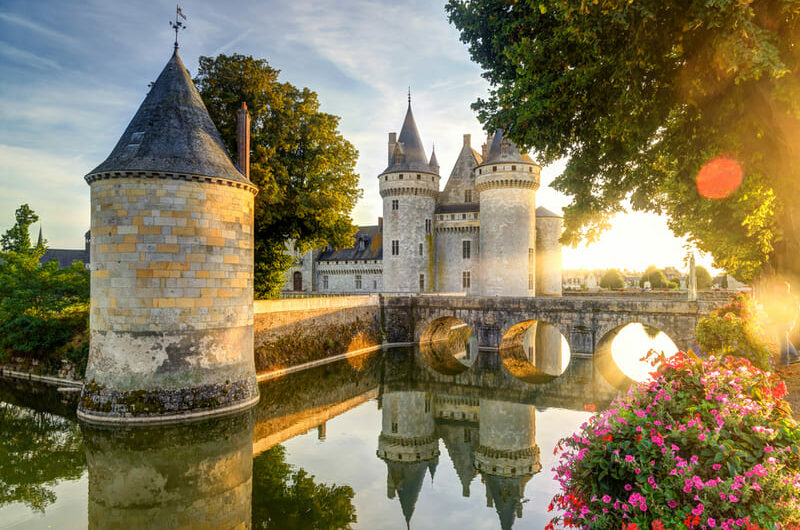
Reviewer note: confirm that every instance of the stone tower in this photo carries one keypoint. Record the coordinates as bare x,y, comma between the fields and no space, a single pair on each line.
172,267
507,182
548,252
409,186
408,444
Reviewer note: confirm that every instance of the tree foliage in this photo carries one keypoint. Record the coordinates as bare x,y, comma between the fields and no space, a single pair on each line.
303,166
612,279
288,499
39,450
703,277
42,308
656,277
18,237
640,96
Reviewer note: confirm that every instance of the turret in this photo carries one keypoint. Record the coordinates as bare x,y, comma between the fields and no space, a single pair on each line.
506,182
171,318
408,445
408,186
548,253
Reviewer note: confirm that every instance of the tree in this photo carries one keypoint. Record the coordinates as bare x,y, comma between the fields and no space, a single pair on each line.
288,499
612,279
703,277
42,307
656,277
18,238
303,166
640,96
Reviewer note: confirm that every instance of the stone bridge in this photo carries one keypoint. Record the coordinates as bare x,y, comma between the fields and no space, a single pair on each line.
586,323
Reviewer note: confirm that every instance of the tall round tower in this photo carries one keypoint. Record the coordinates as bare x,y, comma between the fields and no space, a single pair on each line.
507,182
548,252
409,186
171,317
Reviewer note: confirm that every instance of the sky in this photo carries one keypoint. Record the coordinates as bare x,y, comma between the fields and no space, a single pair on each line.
72,75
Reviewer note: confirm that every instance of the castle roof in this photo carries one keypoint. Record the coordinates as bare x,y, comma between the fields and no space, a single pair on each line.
409,154
172,132
501,149
370,249
433,162
541,211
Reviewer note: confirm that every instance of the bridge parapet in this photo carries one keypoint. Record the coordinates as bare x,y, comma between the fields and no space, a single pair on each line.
583,321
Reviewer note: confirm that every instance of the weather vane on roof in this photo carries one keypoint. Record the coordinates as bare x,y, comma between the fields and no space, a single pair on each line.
177,24
409,94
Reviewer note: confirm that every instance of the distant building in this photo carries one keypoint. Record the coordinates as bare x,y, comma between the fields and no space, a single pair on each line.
65,256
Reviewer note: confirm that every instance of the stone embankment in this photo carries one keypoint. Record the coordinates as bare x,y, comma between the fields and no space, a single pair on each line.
293,332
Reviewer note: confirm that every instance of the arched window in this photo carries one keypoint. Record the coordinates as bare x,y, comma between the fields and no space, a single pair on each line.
297,280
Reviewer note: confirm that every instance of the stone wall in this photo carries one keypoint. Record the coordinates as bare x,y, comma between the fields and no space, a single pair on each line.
341,276
450,261
295,331
171,295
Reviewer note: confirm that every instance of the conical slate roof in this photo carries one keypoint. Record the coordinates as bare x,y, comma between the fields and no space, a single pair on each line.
172,132
411,153
498,152
433,162
541,211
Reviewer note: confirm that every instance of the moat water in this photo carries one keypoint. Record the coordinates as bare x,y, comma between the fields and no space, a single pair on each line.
381,441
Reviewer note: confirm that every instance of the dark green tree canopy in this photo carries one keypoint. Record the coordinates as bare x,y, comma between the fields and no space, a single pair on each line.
640,96
612,279
303,166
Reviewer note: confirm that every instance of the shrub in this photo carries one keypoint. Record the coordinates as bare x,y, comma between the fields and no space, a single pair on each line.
735,330
703,277
704,444
612,279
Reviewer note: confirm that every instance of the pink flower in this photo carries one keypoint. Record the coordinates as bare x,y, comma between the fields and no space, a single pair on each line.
629,458
769,449
606,499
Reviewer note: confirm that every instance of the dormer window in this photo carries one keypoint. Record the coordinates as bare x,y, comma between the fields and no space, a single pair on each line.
467,195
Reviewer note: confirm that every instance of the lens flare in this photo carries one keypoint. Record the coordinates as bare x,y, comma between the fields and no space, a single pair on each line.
719,178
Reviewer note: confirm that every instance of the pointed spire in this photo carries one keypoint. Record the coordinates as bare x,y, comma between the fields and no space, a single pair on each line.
433,162
501,148
409,144
172,132
40,241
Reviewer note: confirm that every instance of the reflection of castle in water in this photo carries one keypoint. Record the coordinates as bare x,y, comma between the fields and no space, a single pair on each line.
492,438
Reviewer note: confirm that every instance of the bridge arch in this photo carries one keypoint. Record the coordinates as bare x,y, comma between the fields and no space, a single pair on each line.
620,368
449,345
534,351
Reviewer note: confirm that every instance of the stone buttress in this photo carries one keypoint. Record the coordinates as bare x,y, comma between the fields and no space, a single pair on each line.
171,317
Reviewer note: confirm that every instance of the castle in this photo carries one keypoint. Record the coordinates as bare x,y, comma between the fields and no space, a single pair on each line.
481,235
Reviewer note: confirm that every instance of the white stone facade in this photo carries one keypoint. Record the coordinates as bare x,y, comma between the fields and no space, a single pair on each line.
481,235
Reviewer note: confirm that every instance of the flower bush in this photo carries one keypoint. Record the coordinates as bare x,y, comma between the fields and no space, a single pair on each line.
735,330
704,444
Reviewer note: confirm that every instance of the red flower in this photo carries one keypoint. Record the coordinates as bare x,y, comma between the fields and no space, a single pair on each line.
590,407
608,438
658,525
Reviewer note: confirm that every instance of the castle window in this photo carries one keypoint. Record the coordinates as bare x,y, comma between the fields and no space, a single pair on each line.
480,171
513,168
427,403
452,216
428,226
463,216
375,284
465,249
358,281
467,195
494,168
325,283
395,247
419,176
420,249
421,282
395,204
467,434
474,216
432,178
401,176
394,426
465,280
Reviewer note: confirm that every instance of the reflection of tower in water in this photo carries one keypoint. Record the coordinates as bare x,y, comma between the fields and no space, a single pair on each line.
408,445
507,456
542,344
183,476
457,426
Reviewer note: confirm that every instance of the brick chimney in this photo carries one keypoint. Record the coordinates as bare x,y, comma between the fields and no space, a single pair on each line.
243,139
468,140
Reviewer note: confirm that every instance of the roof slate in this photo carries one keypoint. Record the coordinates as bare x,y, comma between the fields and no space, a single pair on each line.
373,248
172,132
413,153
495,151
